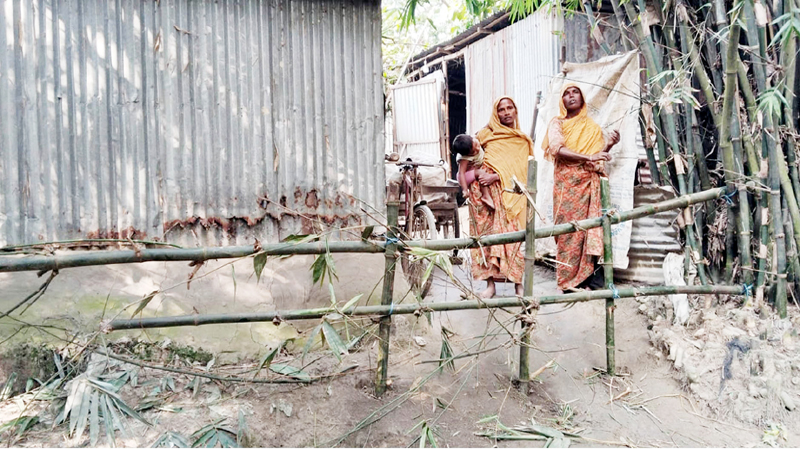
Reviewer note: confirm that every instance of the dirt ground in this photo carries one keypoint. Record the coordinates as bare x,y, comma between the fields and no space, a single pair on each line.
655,401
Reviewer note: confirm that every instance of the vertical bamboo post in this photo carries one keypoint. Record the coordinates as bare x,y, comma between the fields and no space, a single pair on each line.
608,272
527,280
385,327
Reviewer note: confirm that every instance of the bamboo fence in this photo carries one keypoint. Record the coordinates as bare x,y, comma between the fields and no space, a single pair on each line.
391,247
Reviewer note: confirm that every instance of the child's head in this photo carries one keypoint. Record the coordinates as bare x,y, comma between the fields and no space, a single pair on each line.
463,145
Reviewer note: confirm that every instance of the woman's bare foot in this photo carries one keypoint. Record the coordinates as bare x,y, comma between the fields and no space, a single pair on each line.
518,288
490,289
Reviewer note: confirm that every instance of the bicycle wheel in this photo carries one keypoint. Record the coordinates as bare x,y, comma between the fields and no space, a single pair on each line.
422,226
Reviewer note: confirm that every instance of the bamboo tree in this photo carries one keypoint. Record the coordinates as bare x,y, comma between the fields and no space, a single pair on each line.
669,123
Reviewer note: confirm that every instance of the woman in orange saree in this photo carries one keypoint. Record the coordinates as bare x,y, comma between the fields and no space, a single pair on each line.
577,147
507,149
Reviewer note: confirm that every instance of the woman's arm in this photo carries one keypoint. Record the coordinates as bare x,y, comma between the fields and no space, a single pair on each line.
570,156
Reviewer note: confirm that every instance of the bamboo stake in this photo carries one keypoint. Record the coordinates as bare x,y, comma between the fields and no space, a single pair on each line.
527,281
385,327
17,264
608,275
415,308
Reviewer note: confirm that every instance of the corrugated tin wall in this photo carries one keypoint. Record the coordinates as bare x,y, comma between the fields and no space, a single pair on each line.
202,122
418,119
517,61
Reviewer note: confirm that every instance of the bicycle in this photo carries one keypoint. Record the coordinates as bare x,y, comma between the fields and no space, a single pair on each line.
418,221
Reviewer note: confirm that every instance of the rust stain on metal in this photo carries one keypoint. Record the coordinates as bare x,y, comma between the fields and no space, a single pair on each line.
312,201
126,233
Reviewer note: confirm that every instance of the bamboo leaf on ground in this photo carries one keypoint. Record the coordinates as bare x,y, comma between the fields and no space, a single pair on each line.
170,439
294,372
334,340
19,425
267,360
310,341
5,394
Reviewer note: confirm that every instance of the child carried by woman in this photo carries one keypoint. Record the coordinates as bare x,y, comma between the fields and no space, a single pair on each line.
470,160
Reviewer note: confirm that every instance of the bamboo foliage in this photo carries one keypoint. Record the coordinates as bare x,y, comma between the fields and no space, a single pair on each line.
736,59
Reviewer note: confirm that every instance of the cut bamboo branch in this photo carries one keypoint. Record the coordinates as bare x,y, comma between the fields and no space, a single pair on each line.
416,308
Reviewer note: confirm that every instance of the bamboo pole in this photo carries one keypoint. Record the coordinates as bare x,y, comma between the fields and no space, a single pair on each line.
624,37
57,262
527,281
648,147
385,327
415,308
608,275
699,71
669,125
596,33
776,162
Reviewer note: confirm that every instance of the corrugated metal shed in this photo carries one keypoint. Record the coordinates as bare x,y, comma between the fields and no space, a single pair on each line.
652,238
200,122
518,61
418,119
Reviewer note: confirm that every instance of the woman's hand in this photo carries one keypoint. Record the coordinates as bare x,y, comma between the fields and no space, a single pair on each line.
602,156
485,179
613,139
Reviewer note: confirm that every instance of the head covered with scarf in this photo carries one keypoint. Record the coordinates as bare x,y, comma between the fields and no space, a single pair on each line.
581,133
507,151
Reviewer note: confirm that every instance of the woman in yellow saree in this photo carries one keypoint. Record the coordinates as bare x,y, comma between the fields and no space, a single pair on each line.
507,149
577,147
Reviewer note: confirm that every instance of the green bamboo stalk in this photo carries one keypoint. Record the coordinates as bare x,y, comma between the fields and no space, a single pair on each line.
385,327
38,262
778,234
651,157
712,56
788,57
699,71
608,275
669,124
587,8
756,37
775,161
416,308
661,146
527,281
624,37
793,269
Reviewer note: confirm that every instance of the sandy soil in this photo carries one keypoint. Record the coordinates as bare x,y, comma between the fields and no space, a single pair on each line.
650,403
